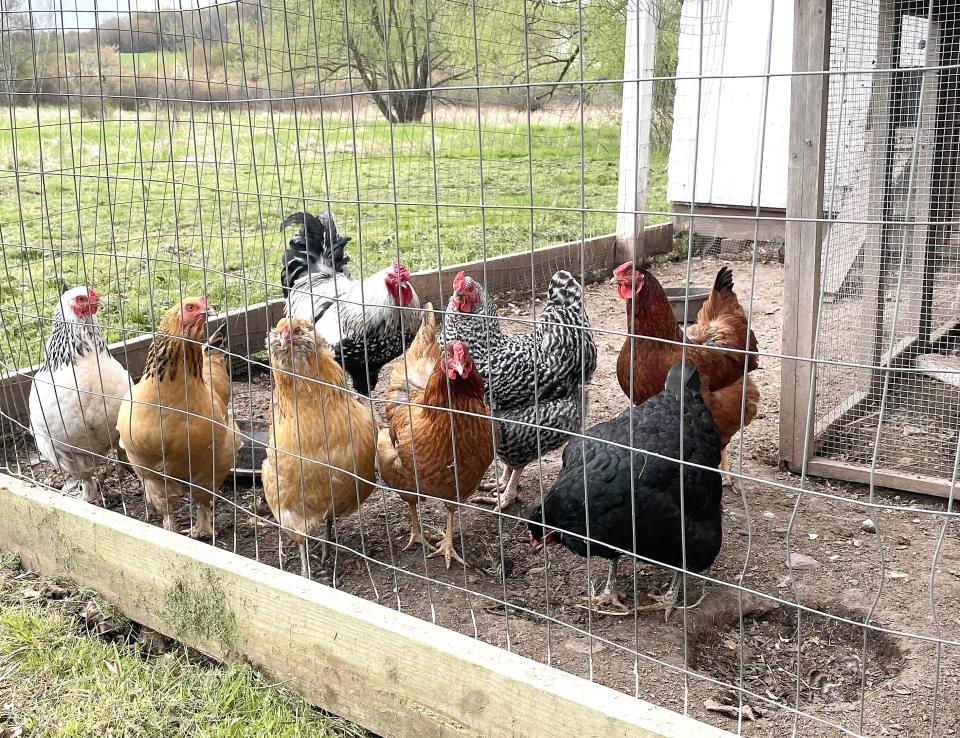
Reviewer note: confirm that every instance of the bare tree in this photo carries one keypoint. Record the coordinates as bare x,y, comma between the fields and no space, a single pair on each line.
397,50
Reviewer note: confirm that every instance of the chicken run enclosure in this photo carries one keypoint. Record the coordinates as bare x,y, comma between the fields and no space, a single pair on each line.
500,162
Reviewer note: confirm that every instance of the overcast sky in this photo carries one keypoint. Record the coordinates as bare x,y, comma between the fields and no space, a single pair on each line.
83,14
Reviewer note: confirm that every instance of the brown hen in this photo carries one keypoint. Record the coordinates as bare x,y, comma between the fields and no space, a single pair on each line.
721,323
174,425
433,391
321,461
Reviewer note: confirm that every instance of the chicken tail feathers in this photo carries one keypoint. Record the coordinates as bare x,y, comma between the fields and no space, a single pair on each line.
426,339
564,290
317,247
215,342
724,280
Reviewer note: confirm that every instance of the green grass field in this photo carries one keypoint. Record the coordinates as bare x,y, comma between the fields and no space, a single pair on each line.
151,206
58,681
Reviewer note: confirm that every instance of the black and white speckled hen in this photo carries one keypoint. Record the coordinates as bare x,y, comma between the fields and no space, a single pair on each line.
655,512
366,323
533,379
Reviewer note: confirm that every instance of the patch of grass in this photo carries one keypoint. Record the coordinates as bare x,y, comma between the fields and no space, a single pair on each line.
153,206
56,680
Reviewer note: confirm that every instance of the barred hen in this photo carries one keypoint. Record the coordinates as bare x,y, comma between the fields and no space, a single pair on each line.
651,515
535,379
367,324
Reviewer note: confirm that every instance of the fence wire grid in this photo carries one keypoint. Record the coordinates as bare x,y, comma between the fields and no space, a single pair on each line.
152,153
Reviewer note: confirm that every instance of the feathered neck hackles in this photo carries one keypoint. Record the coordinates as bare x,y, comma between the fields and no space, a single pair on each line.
71,337
174,348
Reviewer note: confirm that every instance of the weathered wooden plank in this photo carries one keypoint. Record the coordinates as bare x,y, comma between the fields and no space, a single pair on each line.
804,229
524,271
944,368
847,472
736,222
389,672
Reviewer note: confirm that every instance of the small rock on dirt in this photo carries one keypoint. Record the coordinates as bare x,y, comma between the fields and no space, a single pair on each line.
868,526
582,645
800,561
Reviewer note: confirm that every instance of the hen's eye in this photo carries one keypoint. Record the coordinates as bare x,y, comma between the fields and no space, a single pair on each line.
297,331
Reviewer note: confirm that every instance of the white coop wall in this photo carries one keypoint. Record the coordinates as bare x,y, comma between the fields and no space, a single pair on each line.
731,101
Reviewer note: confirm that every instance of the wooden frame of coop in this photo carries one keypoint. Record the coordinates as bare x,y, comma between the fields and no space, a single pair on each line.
903,245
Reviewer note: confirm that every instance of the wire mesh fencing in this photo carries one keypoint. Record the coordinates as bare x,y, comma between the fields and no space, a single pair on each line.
439,152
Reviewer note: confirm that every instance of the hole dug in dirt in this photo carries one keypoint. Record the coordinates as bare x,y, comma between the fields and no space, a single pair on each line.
831,653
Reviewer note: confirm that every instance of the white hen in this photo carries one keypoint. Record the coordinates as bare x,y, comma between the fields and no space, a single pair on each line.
75,397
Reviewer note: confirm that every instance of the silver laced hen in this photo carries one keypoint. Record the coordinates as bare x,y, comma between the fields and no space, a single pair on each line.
534,379
76,395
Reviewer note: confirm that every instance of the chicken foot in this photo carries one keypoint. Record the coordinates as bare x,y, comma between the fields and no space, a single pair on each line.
304,547
325,544
416,535
202,528
446,548
668,601
724,469
608,602
506,489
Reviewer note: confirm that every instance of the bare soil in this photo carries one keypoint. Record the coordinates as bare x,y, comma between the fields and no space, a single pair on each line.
904,578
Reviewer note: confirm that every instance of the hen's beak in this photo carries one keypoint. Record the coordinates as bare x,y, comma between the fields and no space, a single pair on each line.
211,310
458,368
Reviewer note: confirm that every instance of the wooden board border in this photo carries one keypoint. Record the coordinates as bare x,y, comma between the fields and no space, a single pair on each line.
386,671
247,327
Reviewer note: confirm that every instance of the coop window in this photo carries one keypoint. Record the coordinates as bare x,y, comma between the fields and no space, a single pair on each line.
909,79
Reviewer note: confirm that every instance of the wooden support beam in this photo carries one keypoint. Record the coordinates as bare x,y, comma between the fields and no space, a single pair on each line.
847,472
880,142
389,672
639,53
805,172
514,271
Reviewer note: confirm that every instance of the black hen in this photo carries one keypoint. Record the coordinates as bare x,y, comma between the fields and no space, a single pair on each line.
655,519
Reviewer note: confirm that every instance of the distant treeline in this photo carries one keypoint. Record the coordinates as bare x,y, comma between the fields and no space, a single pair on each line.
166,30
400,54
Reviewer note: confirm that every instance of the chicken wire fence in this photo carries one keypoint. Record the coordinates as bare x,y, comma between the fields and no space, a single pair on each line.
152,157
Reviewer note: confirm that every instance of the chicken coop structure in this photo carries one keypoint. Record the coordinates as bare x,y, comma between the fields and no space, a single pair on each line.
872,251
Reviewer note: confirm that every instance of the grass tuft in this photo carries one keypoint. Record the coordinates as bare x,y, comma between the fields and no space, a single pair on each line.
58,680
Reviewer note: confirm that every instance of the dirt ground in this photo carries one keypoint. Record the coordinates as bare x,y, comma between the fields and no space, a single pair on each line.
528,603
